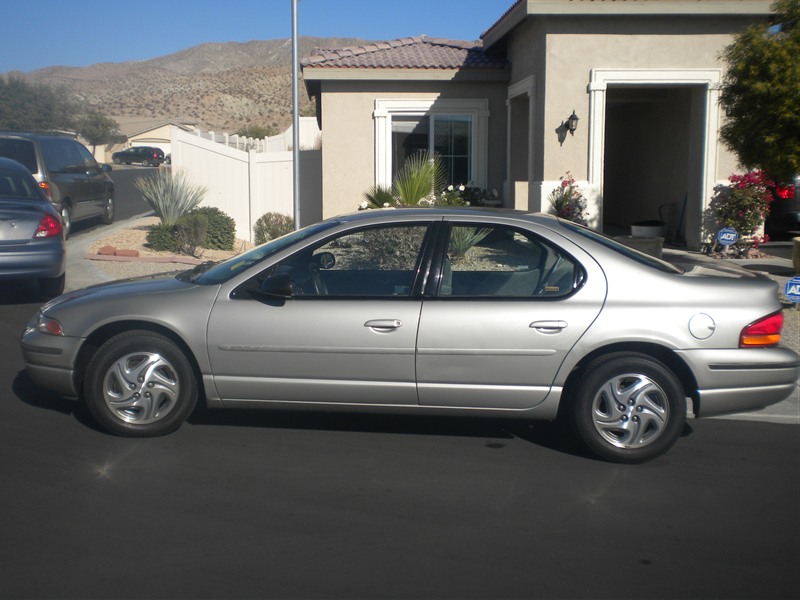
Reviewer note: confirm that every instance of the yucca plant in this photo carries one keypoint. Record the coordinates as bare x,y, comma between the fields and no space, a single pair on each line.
170,194
464,238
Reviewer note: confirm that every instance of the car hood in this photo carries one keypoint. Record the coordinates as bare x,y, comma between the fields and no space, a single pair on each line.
124,292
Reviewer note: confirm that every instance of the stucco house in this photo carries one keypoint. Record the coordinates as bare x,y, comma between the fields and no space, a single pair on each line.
643,77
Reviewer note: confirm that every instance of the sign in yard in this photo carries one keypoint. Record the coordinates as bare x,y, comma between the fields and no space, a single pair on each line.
792,290
727,236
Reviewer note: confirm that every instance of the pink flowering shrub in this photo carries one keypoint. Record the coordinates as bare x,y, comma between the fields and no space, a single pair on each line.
567,200
744,204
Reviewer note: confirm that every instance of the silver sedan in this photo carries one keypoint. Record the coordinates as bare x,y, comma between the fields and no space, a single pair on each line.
466,312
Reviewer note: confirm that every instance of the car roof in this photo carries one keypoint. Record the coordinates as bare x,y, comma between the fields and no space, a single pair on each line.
37,135
435,212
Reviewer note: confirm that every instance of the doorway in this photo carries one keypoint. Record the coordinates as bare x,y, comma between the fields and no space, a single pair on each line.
653,159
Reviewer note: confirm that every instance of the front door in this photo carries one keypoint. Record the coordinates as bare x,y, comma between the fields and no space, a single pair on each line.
346,334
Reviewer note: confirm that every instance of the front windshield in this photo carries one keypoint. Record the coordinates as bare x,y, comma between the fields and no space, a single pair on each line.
216,273
641,257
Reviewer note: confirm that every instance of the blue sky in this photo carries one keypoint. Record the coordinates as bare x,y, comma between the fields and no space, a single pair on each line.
44,33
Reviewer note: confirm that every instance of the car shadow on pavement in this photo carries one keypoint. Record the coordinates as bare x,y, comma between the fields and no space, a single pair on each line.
26,390
496,433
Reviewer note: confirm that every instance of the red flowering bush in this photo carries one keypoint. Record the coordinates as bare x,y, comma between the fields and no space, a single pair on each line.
744,204
567,201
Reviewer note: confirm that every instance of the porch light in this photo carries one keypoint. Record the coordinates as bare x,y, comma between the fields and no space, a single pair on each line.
572,123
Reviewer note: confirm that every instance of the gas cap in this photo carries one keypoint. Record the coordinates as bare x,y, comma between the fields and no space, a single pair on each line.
702,326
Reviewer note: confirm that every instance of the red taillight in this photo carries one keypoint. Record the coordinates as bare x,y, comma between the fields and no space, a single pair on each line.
46,187
49,227
784,192
764,332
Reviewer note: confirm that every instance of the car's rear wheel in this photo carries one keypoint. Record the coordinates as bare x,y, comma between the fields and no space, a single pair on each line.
140,384
628,408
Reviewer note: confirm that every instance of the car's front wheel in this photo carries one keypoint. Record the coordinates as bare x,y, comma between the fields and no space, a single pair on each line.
108,212
628,407
140,384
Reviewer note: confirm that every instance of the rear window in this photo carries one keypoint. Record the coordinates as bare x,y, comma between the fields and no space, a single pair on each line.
21,151
15,184
640,257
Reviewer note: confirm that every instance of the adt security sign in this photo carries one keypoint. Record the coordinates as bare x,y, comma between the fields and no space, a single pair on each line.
792,290
727,236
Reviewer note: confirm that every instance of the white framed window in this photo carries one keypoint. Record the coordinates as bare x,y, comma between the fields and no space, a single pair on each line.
456,129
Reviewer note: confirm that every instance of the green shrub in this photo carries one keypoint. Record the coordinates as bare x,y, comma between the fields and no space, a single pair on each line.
170,194
162,238
272,225
190,233
221,233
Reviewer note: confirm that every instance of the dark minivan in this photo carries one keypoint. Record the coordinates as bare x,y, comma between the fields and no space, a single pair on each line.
64,168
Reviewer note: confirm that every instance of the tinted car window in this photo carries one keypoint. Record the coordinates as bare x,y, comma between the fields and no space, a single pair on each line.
21,151
86,157
61,156
501,262
376,262
17,185
640,257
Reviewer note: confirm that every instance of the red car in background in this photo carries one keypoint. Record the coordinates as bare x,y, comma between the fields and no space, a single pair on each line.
783,221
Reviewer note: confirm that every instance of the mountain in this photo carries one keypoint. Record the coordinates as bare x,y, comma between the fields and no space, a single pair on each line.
218,86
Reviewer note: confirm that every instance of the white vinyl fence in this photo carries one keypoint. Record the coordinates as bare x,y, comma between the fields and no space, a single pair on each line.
248,184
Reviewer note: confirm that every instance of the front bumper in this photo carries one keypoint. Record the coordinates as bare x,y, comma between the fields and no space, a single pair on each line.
741,380
50,361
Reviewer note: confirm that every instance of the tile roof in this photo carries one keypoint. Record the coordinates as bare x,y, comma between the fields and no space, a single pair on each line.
420,52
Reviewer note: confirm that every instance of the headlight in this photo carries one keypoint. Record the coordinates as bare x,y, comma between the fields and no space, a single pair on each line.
44,324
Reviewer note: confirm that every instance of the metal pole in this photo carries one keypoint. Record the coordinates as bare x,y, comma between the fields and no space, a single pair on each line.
295,120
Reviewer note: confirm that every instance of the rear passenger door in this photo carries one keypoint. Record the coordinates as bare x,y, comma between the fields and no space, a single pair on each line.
509,307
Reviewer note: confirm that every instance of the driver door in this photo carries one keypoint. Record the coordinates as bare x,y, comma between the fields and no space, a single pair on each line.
346,333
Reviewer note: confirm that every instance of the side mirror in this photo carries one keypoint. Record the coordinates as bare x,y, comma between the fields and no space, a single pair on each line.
325,260
105,167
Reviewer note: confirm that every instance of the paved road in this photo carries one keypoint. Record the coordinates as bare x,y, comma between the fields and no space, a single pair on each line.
273,505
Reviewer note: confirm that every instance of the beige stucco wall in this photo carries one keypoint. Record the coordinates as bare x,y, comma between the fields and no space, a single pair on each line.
348,150
573,48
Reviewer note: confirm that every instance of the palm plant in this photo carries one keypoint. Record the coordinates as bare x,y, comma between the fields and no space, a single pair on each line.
421,177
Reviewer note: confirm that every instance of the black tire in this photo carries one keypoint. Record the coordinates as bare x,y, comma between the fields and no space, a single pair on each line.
108,212
140,384
117,161
66,220
627,408
51,287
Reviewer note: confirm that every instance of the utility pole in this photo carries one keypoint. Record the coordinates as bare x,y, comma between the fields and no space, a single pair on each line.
295,120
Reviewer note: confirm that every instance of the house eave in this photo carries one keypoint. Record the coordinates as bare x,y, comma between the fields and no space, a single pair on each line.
617,8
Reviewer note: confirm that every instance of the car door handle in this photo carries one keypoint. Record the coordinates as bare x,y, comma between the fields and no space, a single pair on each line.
384,324
548,326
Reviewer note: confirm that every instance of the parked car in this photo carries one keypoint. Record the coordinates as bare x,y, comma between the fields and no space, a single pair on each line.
31,234
64,168
139,154
784,214
463,312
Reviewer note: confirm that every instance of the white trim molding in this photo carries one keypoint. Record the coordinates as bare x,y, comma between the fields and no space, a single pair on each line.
477,108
